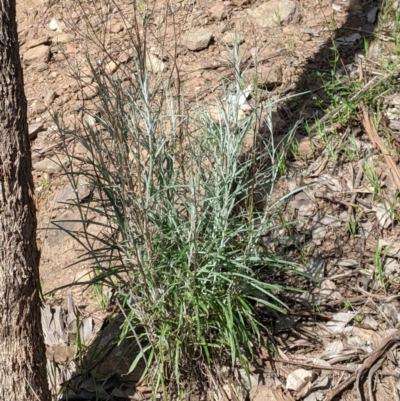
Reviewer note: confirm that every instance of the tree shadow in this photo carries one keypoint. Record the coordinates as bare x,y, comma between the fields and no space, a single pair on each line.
336,59
87,362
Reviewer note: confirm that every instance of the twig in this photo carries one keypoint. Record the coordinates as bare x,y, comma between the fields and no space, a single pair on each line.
387,344
369,378
312,366
332,199
333,393
356,184
373,358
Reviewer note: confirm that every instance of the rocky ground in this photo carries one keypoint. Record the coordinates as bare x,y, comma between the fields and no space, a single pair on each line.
340,331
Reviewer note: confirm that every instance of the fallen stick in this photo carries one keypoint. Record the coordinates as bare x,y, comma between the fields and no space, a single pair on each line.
373,358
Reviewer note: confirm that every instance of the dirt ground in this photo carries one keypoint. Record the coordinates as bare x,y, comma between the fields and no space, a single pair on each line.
335,329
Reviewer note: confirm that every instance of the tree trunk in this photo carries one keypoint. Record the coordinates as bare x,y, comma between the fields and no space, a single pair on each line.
22,350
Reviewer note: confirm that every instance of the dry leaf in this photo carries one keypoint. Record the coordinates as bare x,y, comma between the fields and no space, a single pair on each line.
339,321
297,379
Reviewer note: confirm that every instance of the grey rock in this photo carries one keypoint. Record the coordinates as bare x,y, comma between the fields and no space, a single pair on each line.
63,38
372,13
319,232
266,77
55,49
49,97
117,27
39,54
273,13
231,38
52,165
197,39
68,194
90,120
40,67
392,267
154,64
89,92
45,40
111,67
218,11
39,108
67,221
33,130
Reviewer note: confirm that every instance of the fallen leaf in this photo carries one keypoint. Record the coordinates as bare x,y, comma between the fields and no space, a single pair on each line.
297,379
384,215
339,321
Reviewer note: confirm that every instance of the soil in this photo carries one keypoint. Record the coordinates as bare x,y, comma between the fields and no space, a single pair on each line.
286,51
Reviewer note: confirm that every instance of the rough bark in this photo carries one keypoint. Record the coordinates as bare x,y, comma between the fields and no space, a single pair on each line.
22,350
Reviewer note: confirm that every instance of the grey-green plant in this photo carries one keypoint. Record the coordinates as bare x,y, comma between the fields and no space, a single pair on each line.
173,225
179,228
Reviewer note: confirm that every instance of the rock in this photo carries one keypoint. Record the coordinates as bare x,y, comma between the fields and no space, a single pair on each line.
318,233
39,108
305,146
218,11
54,50
49,97
197,39
63,38
52,165
45,40
63,100
266,77
85,76
392,266
117,27
114,25
33,130
40,54
40,67
70,49
54,25
111,67
154,64
273,13
88,92
68,221
124,57
90,120
60,353
230,38
69,194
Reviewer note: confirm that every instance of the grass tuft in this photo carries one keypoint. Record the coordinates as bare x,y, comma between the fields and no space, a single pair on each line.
175,225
